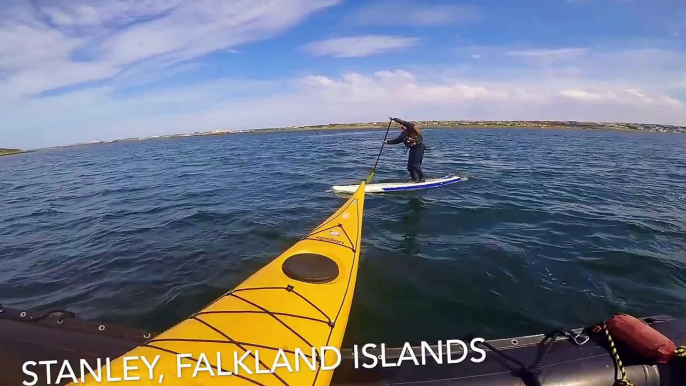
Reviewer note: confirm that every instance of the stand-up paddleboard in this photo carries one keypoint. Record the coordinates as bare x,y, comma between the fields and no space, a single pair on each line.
273,329
390,187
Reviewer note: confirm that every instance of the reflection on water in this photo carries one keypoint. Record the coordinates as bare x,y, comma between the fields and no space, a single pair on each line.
412,225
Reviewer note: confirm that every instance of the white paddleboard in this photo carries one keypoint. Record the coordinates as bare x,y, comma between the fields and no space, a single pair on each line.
392,187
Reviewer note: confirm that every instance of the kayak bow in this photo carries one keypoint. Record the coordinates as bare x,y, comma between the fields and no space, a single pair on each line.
299,302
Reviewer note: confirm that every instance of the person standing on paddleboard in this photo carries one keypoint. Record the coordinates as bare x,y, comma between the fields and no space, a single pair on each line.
414,141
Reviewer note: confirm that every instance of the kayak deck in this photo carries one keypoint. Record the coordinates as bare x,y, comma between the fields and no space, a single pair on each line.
283,314
391,187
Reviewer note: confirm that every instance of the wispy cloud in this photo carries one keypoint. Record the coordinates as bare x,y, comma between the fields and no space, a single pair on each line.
359,46
80,14
558,53
630,97
598,1
51,45
415,12
628,68
677,22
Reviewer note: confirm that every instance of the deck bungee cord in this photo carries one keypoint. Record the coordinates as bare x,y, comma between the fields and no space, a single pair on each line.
243,345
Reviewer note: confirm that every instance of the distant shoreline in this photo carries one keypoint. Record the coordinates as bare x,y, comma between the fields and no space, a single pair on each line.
428,125
11,151
423,127
555,125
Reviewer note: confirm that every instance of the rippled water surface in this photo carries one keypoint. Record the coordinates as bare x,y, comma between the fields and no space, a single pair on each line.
551,228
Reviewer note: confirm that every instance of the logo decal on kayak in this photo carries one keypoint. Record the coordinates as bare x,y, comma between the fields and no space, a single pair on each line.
334,233
345,215
330,240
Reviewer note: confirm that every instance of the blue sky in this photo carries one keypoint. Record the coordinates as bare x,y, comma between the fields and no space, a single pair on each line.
79,70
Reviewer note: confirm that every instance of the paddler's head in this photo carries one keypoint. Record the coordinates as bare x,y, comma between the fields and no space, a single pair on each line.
412,132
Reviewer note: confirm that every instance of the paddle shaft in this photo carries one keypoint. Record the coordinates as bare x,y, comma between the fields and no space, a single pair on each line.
380,151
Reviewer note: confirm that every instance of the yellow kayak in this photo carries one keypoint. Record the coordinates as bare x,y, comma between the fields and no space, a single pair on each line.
273,329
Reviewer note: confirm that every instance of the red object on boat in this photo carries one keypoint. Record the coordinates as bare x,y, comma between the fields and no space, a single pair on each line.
640,337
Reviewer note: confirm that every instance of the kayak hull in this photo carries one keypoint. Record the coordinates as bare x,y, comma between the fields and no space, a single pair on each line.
399,187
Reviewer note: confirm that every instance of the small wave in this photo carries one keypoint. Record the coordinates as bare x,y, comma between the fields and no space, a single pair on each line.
651,226
144,232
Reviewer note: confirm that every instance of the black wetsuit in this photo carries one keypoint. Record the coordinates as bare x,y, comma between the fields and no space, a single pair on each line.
416,146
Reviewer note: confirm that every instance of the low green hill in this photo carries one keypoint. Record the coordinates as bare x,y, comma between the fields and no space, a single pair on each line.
10,151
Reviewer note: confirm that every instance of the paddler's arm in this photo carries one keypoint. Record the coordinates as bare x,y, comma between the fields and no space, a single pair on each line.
400,139
406,124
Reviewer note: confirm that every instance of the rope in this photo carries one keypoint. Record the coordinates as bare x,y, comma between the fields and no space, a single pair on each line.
623,381
529,373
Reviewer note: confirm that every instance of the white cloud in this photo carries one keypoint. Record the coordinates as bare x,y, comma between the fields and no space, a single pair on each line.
559,53
414,12
597,1
359,46
399,86
60,74
583,95
634,67
629,97
318,99
205,26
38,56
80,13
402,87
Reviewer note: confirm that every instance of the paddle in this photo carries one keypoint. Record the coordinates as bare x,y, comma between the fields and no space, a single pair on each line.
381,150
